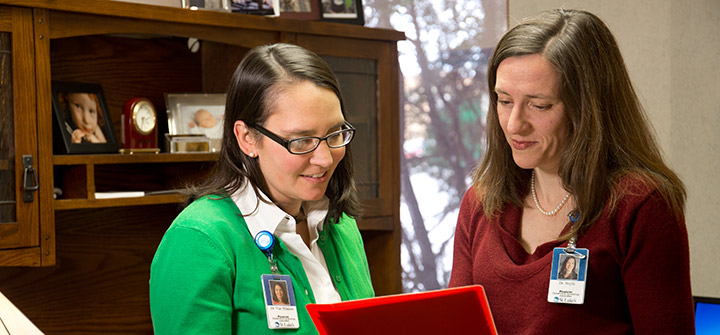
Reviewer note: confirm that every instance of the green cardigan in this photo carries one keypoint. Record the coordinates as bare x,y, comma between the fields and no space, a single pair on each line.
205,276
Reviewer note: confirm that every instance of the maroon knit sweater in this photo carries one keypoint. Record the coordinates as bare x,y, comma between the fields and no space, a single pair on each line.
638,278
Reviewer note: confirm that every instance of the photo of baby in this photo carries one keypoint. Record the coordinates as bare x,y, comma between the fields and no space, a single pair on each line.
83,117
82,124
205,123
202,120
197,114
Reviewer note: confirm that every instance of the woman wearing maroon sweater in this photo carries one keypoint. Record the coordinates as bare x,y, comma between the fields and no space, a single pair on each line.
572,170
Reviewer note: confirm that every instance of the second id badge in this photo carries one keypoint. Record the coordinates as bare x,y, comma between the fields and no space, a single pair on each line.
279,299
568,276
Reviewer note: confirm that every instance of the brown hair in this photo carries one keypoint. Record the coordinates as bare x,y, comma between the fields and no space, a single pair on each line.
609,135
262,74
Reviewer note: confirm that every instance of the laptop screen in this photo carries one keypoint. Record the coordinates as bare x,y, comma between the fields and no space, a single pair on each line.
707,315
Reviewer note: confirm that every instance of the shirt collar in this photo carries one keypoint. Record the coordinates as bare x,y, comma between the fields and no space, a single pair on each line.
260,215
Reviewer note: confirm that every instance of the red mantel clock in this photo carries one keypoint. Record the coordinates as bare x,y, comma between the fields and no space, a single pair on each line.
139,126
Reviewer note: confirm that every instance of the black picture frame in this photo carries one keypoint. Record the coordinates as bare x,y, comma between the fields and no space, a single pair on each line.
64,124
353,12
300,9
256,7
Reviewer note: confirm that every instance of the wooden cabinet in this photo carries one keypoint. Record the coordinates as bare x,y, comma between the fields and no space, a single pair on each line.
86,260
20,204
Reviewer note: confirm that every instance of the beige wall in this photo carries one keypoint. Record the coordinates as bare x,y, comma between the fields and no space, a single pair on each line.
672,50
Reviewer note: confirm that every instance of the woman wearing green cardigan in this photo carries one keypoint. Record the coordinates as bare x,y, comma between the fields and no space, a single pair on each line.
285,171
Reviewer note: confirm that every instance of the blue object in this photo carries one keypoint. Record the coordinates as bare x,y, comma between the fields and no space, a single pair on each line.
574,216
707,315
265,241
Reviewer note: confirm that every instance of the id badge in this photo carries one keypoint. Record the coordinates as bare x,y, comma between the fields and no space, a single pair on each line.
568,276
280,302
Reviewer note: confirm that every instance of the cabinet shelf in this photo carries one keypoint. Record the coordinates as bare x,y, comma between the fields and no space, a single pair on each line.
79,177
65,204
129,159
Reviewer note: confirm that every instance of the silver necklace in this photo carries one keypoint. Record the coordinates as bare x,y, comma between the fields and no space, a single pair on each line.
537,204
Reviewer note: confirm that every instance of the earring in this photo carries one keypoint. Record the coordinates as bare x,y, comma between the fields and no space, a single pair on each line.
252,155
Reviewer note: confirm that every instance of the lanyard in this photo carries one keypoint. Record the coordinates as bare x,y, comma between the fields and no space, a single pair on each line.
572,243
266,241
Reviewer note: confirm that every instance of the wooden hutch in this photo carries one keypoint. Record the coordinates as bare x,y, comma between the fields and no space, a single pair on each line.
77,264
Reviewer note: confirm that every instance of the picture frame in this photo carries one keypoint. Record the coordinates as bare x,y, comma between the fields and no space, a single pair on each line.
256,7
77,105
196,114
300,9
218,5
342,11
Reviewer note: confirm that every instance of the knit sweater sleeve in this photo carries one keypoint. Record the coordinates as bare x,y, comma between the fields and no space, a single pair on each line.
190,285
656,269
462,267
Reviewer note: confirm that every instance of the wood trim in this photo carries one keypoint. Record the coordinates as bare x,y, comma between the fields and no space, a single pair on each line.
5,19
24,106
20,257
45,136
120,9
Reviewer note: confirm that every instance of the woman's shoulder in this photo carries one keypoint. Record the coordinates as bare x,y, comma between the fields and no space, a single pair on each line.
632,189
205,212
634,194
472,201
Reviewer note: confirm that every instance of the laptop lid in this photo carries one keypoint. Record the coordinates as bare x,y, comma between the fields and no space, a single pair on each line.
461,310
707,315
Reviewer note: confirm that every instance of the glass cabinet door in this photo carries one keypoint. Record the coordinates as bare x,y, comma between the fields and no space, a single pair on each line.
8,214
358,83
19,205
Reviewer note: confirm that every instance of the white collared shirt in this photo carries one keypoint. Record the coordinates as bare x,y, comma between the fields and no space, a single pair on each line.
261,216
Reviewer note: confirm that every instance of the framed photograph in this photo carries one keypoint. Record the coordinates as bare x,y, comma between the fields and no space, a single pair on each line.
196,114
82,121
256,7
220,5
300,9
343,11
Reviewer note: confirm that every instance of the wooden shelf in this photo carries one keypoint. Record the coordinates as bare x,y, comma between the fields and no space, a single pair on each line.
65,204
79,177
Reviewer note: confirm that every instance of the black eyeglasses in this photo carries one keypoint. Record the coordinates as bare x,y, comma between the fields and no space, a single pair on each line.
303,145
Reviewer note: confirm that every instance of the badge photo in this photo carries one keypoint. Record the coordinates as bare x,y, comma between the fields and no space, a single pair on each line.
280,302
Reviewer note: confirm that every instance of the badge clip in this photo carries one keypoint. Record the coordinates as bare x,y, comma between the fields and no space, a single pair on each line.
572,243
266,241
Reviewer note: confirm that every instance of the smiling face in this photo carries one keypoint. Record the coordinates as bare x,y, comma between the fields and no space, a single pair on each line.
300,109
84,111
279,293
530,111
570,264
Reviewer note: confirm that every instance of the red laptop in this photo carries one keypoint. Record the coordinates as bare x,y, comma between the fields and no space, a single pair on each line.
462,310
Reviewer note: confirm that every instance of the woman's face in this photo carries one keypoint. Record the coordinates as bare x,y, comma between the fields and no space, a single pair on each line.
279,293
83,110
301,109
530,112
570,264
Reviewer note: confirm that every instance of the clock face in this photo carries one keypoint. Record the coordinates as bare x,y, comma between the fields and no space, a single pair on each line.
144,117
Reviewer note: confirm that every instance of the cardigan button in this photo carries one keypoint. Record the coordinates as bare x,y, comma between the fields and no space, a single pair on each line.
338,278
